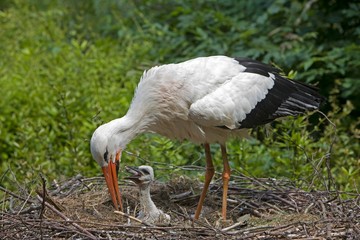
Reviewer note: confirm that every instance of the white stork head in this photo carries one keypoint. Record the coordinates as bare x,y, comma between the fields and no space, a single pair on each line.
106,146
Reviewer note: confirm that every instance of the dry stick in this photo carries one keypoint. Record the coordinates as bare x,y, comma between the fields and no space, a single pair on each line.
198,222
42,204
66,184
4,174
54,225
284,226
240,223
123,234
305,230
24,223
233,226
252,209
284,200
120,234
308,208
356,229
139,221
16,182
275,208
256,229
50,200
133,218
22,207
328,226
331,178
15,195
88,234
113,226
281,231
318,173
253,179
29,210
303,13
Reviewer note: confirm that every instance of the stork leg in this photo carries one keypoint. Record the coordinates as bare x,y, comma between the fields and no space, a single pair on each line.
225,177
208,176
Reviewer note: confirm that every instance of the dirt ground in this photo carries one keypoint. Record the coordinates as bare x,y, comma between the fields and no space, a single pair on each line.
80,208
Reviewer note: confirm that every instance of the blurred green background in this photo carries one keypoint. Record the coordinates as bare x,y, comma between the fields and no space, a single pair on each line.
68,66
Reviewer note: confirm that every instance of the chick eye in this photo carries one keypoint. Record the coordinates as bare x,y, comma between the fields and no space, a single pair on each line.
145,171
106,153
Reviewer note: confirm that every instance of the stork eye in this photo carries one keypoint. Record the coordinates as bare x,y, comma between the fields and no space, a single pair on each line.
106,153
145,171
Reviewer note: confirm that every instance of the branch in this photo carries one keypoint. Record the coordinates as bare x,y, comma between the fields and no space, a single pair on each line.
52,208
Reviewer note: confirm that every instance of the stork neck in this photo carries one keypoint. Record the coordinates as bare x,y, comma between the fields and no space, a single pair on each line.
147,205
124,129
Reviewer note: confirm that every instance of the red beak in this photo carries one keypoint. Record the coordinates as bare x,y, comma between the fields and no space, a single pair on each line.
111,178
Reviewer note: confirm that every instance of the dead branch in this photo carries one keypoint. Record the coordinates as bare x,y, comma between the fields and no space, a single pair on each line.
87,233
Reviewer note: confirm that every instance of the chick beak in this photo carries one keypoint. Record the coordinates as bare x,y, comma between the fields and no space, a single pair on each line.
136,174
111,177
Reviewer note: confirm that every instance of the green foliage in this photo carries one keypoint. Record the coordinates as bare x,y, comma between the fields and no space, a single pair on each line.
68,66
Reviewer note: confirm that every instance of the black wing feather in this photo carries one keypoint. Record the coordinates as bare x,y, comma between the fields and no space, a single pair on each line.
286,98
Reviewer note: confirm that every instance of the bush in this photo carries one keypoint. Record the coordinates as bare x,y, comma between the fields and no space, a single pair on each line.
68,66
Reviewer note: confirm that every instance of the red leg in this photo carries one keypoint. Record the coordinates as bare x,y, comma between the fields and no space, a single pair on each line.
208,176
226,178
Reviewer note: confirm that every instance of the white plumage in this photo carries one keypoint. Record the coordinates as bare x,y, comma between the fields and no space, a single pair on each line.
205,100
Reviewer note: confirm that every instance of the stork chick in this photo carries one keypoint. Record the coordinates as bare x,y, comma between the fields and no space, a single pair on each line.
143,176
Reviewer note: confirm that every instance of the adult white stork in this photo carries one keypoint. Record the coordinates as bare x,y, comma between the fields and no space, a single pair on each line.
205,100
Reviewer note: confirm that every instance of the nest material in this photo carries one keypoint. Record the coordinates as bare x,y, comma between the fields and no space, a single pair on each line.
80,208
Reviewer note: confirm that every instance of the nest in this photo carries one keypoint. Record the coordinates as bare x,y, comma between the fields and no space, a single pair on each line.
80,208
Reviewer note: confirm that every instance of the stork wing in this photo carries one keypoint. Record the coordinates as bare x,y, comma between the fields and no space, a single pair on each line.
253,97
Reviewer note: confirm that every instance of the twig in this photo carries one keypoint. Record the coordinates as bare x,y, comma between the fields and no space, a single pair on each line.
29,210
328,226
253,179
328,156
305,9
88,234
308,208
285,201
240,223
42,204
15,195
318,173
51,201
22,207
66,184
198,222
4,174
276,209
133,218
263,227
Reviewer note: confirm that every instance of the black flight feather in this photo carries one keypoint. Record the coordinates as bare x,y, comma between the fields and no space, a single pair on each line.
286,97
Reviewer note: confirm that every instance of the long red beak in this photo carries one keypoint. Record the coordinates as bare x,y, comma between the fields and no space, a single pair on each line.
111,178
